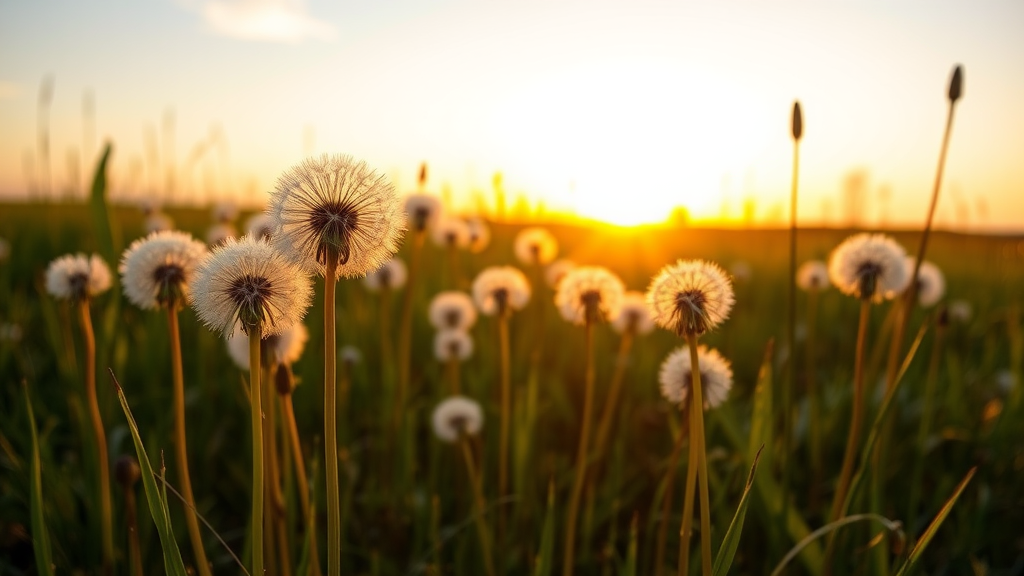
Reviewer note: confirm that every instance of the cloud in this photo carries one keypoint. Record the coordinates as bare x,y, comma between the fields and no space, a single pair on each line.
10,90
263,20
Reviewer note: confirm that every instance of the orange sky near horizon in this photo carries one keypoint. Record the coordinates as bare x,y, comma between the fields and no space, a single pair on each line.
619,112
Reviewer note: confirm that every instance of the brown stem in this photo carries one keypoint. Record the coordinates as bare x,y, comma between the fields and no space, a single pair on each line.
480,505
331,420
582,455
686,531
134,549
666,506
604,426
99,436
300,475
697,429
256,419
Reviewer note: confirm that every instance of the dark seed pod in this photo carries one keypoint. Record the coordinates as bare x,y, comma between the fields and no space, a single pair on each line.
956,84
284,381
127,471
798,121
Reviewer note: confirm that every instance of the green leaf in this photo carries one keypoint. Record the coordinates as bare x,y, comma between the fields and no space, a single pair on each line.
929,533
173,564
545,555
727,553
40,536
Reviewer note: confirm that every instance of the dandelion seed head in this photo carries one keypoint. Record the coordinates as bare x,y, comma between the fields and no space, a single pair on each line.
455,416
335,206
960,311
589,294
350,355
453,344
557,270
676,377
284,348
812,276
741,271
225,212
260,226
423,211
77,277
634,316
158,222
479,235
451,231
535,246
452,310
246,284
155,270
391,275
869,267
500,289
219,233
690,297
931,282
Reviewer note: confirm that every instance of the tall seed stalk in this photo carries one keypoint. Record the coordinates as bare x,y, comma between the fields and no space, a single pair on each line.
787,390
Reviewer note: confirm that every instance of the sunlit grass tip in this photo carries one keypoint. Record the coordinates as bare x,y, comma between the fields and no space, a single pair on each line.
155,270
77,277
534,246
676,377
452,310
690,297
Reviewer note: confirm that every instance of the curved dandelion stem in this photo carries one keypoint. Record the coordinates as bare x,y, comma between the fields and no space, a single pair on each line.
697,431
99,435
255,398
331,421
582,455
181,448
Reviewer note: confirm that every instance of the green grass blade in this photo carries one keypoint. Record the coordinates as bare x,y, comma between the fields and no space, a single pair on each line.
929,533
103,224
173,563
40,536
634,528
731,542
545,555
761,419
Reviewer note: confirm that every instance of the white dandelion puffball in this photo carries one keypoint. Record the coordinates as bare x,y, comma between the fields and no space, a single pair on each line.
457,415
391,275
336,205
350,355
218,234
500,289
869,267
225,212
260,226
158,222
451,232
423,211
557,270
690,297
960,311
589,294
5,249
741,271
246,284
931,282
77,277
155,270
676,377
286,347
634,316
452,310
453,344
534,246
812,276
479,235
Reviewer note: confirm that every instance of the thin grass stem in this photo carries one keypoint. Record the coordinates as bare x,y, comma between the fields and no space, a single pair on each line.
480,505
666,506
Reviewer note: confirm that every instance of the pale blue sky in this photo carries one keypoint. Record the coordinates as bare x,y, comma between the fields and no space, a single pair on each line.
577,102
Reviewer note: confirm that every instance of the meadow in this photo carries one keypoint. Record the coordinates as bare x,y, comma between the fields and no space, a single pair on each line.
407,506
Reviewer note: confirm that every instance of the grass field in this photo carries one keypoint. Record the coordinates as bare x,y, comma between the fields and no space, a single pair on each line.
406,505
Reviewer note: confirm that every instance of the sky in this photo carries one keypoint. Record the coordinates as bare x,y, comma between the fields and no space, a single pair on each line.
612,110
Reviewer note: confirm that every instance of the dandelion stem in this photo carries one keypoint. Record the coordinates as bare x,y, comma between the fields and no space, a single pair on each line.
300,475
275,496
604,426
506,416
331,420
130,515
582,454
666,506
697,431
790,384
452,368
100,436
255,398
686,530
479,504
180,446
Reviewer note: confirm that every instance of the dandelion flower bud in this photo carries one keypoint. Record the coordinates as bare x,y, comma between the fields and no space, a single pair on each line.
812,276
931,283
869,267
247,284
676,377
423,211
557,270
455,416
260,226
336,207
634,317
155,270
479,235
453,344
127,471
452,310
589,294
956,84
158,222
225,212
77,277
690,297
534,246
218,234
392,275
500,289
451,232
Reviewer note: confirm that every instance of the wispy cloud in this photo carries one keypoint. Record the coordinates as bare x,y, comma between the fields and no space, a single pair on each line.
9,90
262,20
